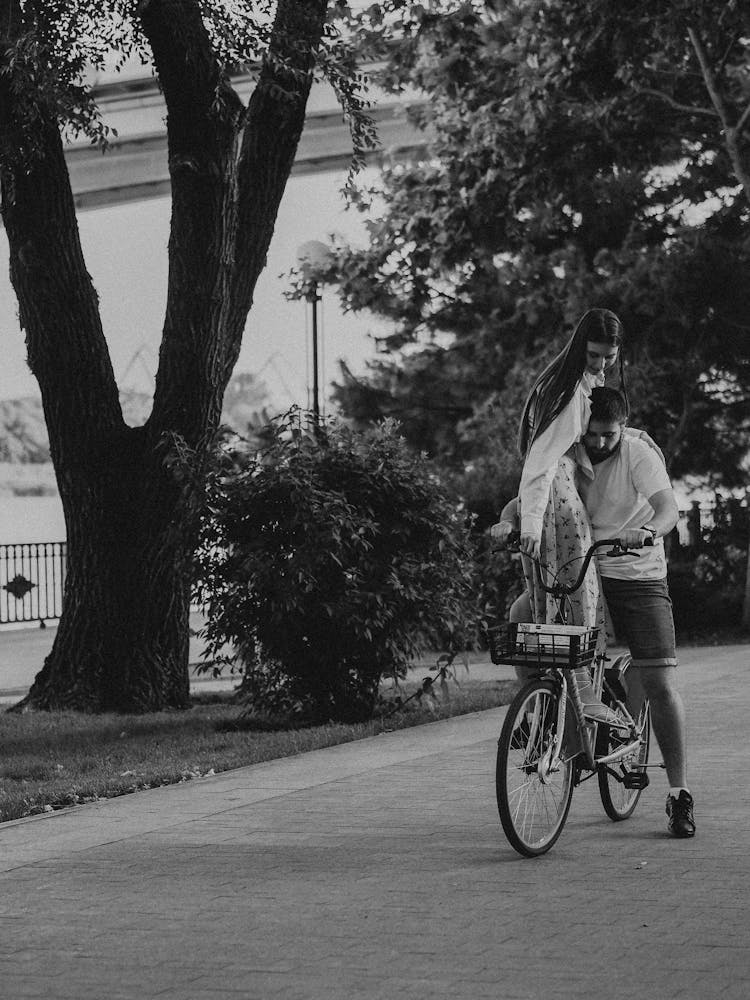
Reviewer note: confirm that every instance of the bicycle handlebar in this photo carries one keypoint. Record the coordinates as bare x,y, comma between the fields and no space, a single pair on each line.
572,587
561,589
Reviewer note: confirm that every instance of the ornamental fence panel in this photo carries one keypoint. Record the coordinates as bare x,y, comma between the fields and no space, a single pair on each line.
32,579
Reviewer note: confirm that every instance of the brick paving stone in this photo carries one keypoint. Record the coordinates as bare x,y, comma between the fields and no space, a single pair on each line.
379,869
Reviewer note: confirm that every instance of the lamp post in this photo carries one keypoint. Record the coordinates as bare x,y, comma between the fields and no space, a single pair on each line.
313,297
313,258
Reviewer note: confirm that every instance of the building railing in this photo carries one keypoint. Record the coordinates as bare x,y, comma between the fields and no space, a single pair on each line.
32,578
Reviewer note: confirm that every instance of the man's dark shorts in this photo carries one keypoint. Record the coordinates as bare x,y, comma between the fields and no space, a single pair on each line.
641,613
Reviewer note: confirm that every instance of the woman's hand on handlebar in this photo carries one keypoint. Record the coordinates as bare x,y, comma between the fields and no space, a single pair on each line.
507,533
530,545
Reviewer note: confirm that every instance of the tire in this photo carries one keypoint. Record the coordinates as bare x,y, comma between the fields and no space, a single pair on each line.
533,800
619,802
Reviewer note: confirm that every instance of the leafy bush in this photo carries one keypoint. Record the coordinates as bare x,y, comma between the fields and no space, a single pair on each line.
707,586
328,561
501,579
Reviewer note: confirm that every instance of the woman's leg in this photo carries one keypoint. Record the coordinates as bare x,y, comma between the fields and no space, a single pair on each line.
520,611
566,537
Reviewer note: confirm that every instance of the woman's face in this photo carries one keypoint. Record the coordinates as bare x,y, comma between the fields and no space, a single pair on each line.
600,357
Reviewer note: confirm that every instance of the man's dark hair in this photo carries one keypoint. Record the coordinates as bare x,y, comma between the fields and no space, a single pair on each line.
608,405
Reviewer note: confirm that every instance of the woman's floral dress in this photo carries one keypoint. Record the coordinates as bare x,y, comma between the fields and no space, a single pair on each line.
549,475
566,536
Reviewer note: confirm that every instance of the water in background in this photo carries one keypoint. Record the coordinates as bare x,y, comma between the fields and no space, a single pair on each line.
31,519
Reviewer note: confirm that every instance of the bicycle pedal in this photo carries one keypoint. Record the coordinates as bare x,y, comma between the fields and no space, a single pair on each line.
635,779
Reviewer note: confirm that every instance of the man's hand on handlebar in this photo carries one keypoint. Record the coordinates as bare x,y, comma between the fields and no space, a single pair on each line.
502,531
635,538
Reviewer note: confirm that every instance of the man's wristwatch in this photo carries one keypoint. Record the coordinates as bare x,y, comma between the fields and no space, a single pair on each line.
651,531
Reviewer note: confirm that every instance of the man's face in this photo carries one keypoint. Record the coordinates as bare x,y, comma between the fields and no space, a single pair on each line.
602,439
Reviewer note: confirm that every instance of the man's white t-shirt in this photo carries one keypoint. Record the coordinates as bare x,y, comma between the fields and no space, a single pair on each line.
615,493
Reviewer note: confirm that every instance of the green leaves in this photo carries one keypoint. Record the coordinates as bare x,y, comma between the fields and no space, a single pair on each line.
329,560
55,46
574,158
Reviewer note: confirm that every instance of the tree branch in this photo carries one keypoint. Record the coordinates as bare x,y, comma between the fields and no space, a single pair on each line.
201,103
204,116
58,305
10,20
742,173
742,120
229,167
676,441
275,119
732,42
709,78
687,108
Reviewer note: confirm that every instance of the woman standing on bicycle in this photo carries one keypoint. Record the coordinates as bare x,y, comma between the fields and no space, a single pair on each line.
553,521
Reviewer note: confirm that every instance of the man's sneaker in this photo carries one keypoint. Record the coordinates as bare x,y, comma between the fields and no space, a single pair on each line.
680,812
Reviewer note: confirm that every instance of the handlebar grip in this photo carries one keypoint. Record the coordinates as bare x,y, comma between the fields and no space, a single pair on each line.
509,545
620,549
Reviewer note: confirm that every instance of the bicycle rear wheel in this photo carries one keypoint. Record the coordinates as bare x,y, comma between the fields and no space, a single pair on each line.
533,792
620,792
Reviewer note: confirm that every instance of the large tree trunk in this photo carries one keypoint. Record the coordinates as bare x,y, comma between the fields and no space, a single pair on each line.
122,641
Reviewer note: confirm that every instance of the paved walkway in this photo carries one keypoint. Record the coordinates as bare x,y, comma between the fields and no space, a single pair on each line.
378,870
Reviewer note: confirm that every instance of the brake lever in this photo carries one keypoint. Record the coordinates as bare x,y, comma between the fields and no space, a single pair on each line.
618,550
511,543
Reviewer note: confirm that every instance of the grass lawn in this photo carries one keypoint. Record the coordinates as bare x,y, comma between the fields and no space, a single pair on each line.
50,761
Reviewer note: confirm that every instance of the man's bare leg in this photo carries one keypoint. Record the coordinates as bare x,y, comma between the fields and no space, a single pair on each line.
658,684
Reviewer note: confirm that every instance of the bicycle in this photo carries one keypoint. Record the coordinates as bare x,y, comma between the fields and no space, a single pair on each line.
546,746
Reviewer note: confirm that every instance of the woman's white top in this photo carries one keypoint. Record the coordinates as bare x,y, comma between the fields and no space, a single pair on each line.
546,451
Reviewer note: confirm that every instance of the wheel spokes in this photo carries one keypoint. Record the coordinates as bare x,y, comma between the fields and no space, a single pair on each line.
537,795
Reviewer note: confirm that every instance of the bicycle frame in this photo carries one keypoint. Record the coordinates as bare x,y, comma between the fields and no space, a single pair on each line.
586,731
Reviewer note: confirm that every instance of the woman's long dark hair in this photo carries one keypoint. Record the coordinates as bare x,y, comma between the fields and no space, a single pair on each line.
554,388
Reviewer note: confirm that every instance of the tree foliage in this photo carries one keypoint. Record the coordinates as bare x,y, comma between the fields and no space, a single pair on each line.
327,560
579,154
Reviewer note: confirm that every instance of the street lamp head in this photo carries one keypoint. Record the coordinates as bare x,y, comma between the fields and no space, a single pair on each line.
314,258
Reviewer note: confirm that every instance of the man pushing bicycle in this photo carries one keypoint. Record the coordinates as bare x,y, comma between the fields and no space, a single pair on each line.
628,495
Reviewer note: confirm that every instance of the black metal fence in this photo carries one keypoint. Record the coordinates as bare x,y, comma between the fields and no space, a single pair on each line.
32,574
32,577
700,518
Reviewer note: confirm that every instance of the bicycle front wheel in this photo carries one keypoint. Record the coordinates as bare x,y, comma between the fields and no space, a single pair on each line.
534,788
618,788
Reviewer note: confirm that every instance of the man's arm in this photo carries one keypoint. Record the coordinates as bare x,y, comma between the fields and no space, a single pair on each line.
666,515
666,512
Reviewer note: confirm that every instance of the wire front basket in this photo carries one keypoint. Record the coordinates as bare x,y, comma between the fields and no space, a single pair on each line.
525,644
